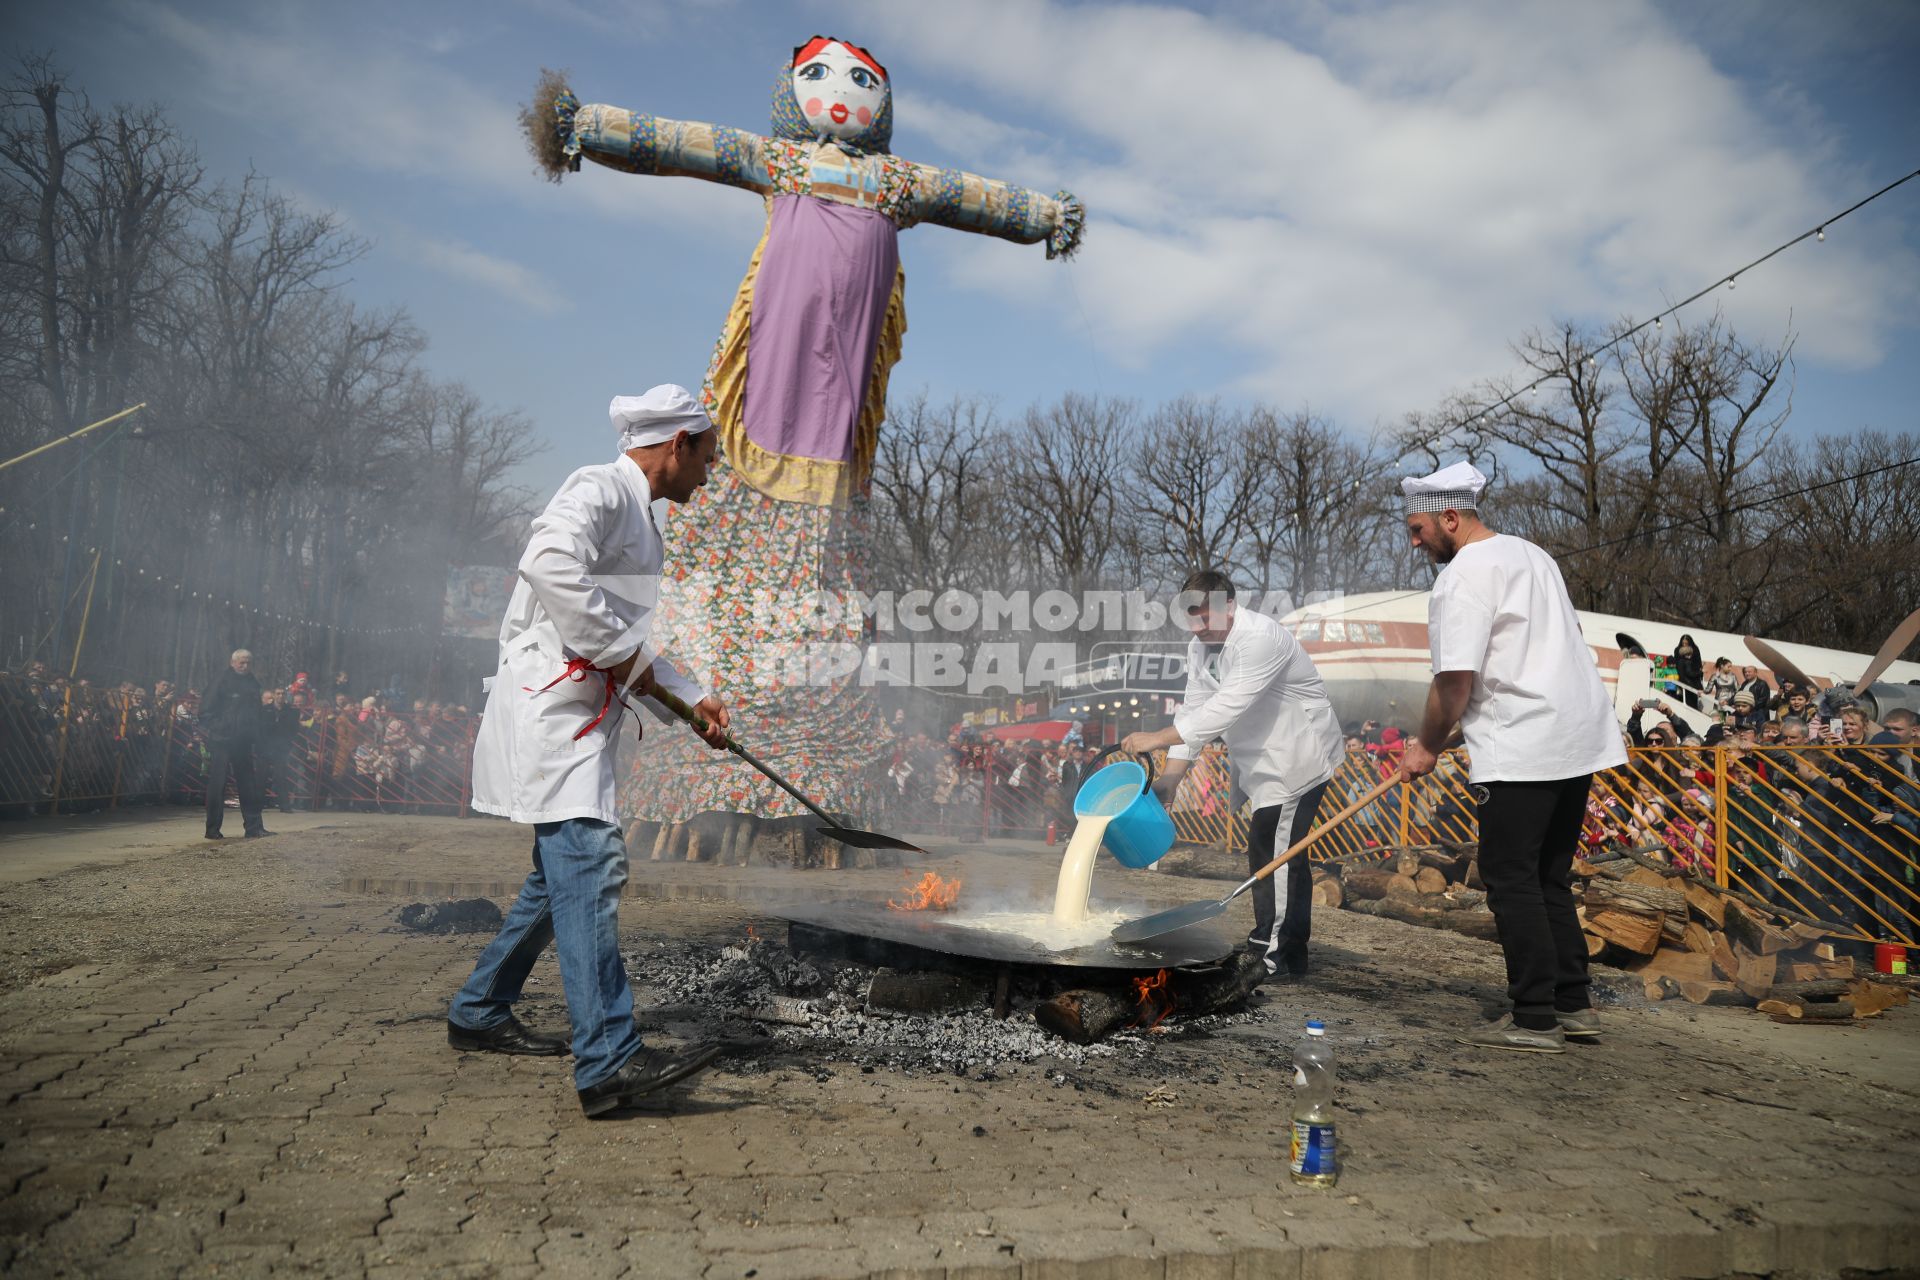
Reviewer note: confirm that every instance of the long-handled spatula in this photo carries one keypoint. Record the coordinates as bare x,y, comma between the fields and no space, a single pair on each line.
1194,912
845,835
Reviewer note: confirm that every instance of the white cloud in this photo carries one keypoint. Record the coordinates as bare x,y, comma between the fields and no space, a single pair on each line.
389,109
1371,221
497,275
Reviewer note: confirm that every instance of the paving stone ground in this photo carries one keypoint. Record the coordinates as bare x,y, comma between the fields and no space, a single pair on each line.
226,1061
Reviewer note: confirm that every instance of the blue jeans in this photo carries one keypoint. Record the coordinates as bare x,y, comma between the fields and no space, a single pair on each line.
572,897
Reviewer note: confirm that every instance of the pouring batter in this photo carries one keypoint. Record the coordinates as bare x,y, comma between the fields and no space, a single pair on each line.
1251,685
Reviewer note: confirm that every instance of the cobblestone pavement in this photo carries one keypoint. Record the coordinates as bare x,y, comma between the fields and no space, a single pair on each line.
269,1089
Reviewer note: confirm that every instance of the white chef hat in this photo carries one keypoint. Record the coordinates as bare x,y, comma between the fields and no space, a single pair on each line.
657,416
1454,488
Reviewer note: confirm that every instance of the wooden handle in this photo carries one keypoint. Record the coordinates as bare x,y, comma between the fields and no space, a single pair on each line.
1326,826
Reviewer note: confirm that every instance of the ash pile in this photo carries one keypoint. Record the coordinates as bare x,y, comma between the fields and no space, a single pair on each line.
946,1019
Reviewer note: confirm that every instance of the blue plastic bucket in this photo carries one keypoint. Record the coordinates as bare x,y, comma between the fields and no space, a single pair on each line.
1141,833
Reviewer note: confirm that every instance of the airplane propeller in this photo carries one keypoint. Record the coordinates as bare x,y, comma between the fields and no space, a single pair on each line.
1777,661
1896,644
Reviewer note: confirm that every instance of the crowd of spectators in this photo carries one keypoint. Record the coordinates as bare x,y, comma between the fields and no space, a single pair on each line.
971,783
1822,803
311,746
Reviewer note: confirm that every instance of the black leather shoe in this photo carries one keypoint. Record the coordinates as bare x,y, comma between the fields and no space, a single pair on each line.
645,1072
255,835
215,835
510,1036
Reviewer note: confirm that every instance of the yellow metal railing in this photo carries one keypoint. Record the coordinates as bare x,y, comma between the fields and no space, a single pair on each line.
1832,833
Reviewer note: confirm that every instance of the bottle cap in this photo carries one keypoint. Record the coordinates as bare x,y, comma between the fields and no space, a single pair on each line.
1315,1027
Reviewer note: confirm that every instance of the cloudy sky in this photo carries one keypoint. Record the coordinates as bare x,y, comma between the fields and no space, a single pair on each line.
1348,207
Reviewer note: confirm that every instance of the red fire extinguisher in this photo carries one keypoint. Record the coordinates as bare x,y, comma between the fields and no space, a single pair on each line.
1053,831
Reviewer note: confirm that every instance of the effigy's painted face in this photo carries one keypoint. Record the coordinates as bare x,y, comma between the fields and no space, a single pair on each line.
839,93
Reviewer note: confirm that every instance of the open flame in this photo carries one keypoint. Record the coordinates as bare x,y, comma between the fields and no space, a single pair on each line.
930,894
1154,998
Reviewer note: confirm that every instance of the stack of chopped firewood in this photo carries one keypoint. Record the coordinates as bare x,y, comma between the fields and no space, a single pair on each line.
1682,935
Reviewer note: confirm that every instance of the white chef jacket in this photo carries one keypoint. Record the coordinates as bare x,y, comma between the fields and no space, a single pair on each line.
589,587
1538,711
1263,697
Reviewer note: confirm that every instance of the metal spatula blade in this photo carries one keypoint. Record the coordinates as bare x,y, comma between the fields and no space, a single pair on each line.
1173,918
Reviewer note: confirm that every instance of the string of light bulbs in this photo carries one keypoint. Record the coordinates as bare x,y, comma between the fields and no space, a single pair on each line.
1730,281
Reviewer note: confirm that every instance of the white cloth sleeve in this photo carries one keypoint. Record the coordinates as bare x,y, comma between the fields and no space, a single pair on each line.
1459,626
1257,660
567,538
1193,696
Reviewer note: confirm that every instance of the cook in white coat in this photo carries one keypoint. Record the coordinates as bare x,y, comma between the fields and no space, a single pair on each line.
1251,685
573,647
1511,668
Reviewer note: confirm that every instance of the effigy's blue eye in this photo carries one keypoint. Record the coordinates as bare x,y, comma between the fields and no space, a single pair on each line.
814,71
863,77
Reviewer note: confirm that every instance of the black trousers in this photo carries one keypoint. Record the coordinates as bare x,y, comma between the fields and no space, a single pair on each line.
1283,902
1528,834
236,757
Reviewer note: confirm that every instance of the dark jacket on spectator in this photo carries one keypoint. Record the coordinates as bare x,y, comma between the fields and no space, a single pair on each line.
1688,666
230,711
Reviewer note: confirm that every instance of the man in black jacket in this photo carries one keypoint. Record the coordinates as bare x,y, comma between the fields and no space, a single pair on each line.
230,714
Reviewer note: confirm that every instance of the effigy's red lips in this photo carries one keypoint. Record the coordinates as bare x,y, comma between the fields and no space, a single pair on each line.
839,112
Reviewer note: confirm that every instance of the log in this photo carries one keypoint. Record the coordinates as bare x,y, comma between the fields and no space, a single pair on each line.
1472,924
1624,895
1328,892
1748,926
1595,944
1698,938
1198,992
1726,962
1711,993
1728,892
1814,970
1085,1017
1375,882
1673,929
1614,871
1646,876
1756,974
1707,904
1626,929
1472,878
1794,1011
1870,998
1462,899
1427,880
1810,992
1681,966
892,991
1655,987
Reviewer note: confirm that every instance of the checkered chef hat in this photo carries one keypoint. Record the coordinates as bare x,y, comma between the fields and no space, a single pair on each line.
1454,488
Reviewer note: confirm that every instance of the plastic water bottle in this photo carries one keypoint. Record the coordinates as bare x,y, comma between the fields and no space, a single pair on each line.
1313,1159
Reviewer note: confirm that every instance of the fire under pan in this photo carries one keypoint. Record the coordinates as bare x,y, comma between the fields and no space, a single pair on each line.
947,935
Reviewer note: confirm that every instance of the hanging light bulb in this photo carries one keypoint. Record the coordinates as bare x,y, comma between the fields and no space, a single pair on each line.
1656,322
1821,235
1733,282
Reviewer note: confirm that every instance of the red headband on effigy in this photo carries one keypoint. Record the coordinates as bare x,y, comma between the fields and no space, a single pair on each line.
815,45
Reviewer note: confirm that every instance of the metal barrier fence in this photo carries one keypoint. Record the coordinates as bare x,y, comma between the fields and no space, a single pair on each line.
1832,833
70,749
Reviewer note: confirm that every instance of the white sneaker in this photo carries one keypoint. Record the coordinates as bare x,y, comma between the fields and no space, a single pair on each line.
1504,1035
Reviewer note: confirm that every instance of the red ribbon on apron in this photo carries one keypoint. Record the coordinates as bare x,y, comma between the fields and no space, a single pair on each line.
579,669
